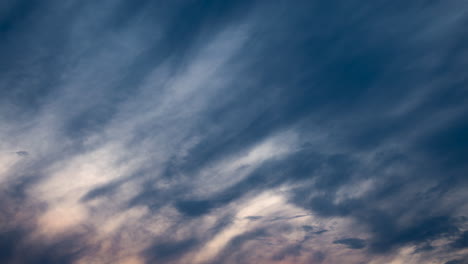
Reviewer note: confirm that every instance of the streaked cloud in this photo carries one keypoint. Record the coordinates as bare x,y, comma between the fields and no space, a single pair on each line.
233,132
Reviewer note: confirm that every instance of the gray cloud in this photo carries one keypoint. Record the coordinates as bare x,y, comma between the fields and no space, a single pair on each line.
22,153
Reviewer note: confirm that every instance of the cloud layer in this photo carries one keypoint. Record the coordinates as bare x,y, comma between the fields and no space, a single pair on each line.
233,132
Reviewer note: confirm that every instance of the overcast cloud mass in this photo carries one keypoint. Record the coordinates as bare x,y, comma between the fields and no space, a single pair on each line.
207,132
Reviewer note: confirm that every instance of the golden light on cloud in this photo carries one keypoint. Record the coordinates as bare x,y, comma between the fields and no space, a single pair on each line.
61,218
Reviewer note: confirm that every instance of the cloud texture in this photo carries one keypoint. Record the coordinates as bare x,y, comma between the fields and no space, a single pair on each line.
209,131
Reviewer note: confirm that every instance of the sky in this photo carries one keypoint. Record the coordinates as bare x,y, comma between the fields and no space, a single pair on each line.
207,132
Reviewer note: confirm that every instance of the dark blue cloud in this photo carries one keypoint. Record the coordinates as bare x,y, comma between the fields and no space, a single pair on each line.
166,251
14,248
462,241
352,243
456,261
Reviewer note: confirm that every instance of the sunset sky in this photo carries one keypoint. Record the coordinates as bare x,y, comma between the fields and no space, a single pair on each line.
233,132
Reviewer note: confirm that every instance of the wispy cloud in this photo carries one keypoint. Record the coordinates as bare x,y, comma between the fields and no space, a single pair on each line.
233,132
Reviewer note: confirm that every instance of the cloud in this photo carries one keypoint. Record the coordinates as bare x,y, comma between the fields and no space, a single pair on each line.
209,132
352,243
22,153
462,241
455,261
